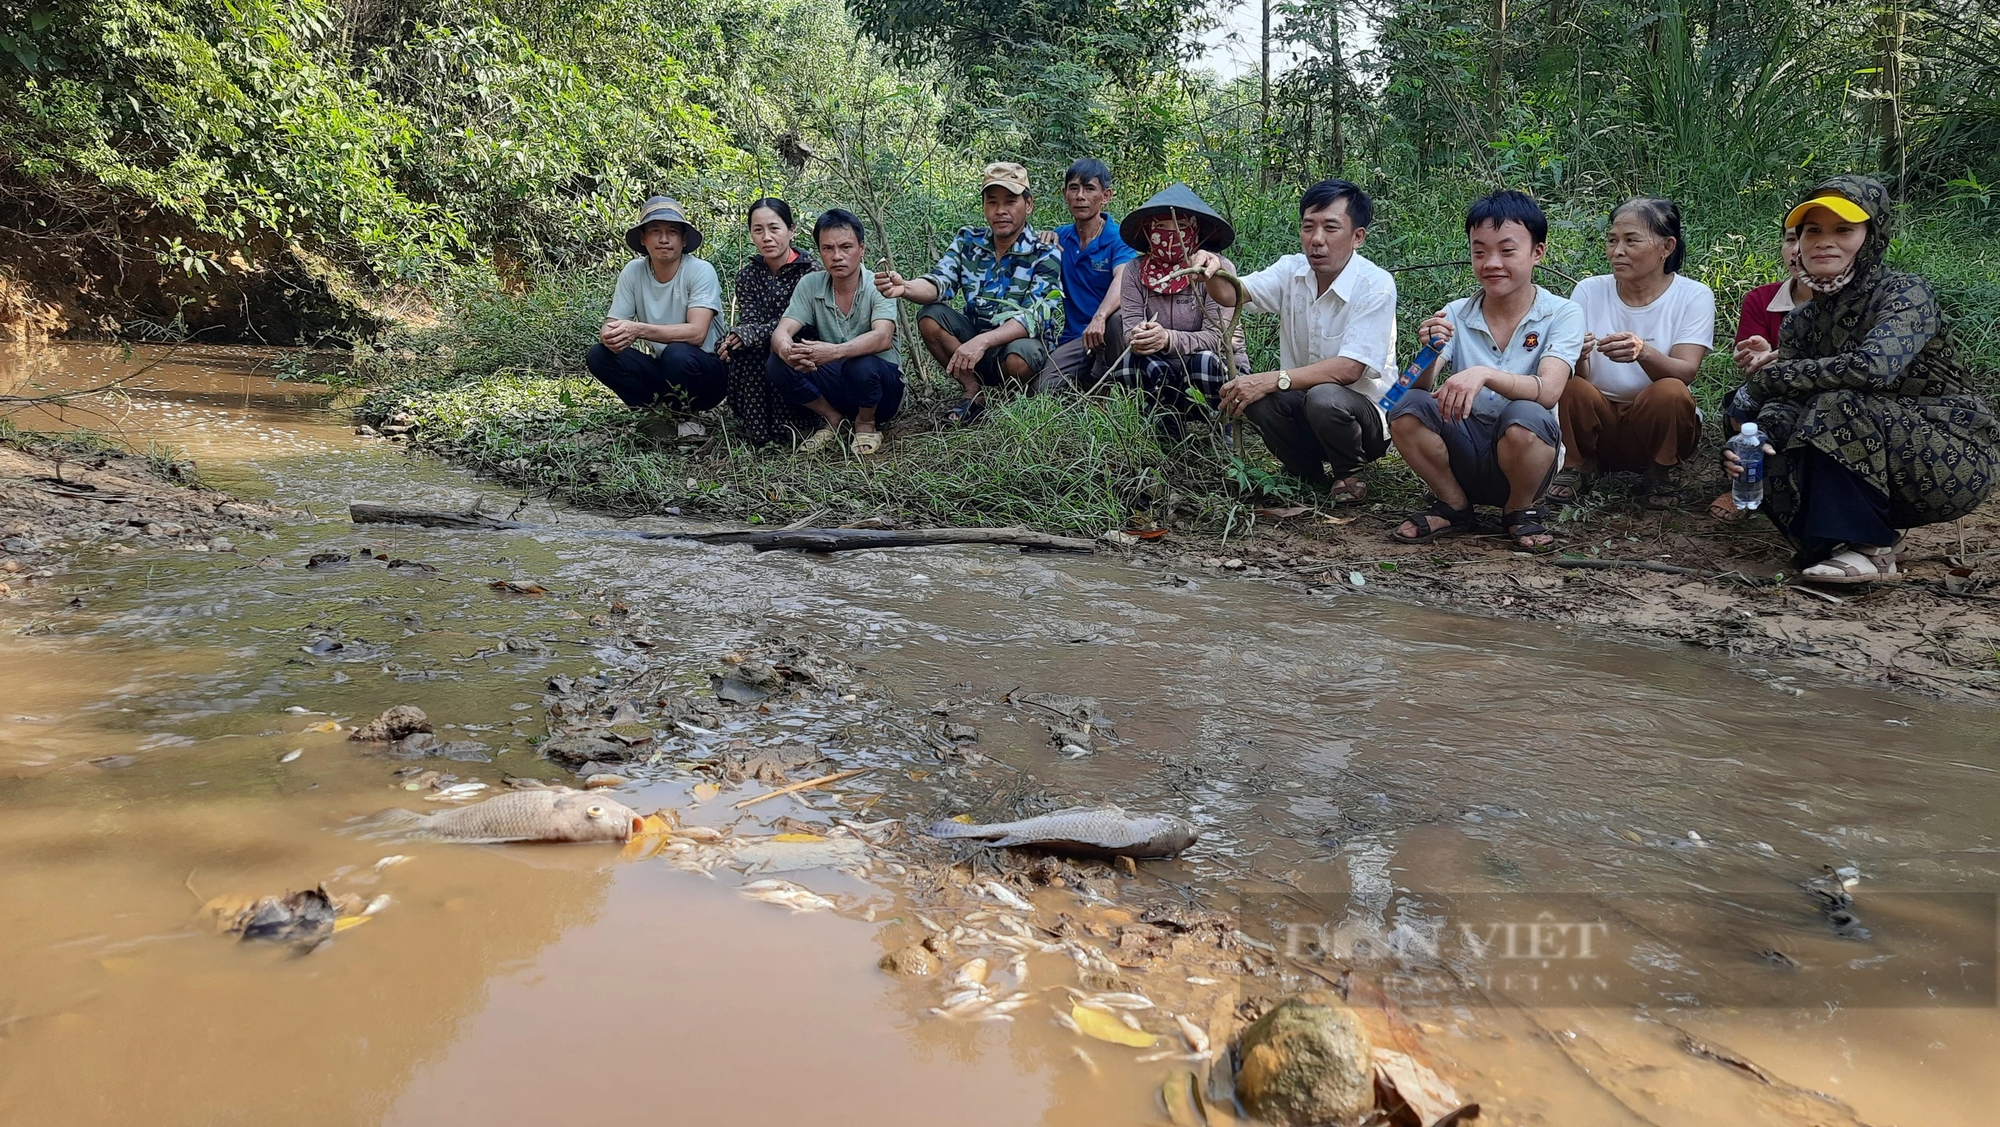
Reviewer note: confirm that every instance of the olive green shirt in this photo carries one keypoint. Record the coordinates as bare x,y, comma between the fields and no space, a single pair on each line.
813,304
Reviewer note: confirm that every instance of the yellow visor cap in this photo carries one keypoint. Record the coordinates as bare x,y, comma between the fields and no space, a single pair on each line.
1839,205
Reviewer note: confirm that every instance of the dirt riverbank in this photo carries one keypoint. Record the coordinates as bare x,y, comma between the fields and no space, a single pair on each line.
57,500
1726,587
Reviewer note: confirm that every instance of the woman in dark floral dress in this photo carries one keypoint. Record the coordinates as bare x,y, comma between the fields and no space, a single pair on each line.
763,290
1872,418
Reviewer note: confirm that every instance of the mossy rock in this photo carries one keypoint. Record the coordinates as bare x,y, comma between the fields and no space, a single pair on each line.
1306,1063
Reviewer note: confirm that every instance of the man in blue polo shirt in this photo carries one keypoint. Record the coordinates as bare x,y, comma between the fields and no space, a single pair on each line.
1488,434
1094,259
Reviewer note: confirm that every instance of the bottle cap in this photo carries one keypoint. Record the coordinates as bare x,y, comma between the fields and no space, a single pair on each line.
1749,430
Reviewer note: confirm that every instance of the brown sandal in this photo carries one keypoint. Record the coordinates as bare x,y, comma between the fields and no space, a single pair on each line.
1724,509
1348,490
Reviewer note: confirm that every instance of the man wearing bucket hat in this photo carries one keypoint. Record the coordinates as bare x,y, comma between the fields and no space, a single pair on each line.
1336,345
1172,320
1873,419
1012,288
657,347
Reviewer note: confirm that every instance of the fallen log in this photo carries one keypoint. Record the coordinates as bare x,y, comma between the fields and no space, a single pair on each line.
367,512
764,540
854,539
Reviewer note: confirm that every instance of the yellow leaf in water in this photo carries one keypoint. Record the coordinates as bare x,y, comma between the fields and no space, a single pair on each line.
964,818
345,922
1104,1027
798,837
325,726
705,791
654,824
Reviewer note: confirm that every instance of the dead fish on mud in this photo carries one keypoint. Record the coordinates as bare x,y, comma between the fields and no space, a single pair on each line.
785,894
551,814
1088,831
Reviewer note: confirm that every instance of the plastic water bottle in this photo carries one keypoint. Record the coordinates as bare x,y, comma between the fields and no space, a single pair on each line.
1419,364
1748,486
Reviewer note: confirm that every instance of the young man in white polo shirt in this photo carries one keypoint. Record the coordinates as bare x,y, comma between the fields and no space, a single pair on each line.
1336,342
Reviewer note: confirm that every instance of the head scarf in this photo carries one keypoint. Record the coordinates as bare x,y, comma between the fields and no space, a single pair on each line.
1170,239
1874,198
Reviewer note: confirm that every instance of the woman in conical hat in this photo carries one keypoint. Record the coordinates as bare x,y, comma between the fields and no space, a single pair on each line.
1175,328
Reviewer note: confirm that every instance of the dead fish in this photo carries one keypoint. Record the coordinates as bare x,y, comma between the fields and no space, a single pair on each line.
552,814
1091,831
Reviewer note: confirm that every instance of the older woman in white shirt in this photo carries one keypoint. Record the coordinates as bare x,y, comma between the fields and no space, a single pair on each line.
1647,329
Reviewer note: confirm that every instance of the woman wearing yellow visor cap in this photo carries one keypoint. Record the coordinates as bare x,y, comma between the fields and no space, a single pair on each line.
1873,423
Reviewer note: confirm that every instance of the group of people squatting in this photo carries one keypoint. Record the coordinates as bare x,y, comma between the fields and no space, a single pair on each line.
1871,419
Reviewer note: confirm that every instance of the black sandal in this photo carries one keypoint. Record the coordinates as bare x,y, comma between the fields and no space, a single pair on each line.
1523,523
967,411
1457,522
1568,486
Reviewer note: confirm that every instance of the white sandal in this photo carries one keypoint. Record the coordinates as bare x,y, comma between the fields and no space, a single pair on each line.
1856,565
820,440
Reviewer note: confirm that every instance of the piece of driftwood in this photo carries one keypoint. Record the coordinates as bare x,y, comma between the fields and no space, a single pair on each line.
764,539
852,539
809,784
367,512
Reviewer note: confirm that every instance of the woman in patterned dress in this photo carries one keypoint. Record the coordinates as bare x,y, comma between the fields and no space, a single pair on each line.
763,290
1873,423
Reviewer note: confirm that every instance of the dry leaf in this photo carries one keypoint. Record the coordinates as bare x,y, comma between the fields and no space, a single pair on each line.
1104,1027
1426,1093
963,819
1336,520
797,837
1182,1100
518,587
704,791
345,922
325,726
1286,513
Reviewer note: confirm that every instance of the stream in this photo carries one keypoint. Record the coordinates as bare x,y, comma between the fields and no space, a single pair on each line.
1374,759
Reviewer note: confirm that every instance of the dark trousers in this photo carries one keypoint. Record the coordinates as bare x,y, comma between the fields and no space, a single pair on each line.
849,386
681,376
1326,424
1836,506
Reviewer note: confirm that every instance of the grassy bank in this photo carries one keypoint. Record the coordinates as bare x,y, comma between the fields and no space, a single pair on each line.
500,388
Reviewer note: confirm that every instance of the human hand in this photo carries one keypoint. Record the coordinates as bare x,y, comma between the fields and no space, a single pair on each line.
890,283
1149,338
1622,348
618,334
1753,353
1048,239
1093,333
1733,465
1455,398
1206,261
729,343
794,354
817,352
965,361
1436,328
1589,345
1242,391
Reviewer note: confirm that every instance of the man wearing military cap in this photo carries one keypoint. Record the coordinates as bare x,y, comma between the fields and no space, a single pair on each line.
1011,286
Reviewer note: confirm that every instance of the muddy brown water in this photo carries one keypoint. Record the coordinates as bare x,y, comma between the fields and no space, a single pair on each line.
1369,757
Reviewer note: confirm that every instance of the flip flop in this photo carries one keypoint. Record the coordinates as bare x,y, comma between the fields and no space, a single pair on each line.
967,411
819,440
1855,565
867,443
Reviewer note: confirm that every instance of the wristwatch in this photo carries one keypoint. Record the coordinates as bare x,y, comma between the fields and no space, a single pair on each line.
1284,380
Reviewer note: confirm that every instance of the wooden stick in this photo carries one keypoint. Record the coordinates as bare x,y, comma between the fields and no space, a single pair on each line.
367,512
807,785
1664,569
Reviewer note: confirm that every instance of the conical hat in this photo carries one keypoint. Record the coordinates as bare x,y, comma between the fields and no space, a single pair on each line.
1216,233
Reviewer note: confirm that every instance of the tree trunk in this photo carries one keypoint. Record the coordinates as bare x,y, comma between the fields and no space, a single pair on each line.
1889,93
1339,101
1264,101
1496,63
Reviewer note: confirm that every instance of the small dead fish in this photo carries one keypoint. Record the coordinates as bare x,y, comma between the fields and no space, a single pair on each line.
1091,831
1006,895
456,793
1196,1039
553,814
785,894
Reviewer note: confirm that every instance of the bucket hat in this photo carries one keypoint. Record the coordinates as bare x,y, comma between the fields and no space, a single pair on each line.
662,209
1216,233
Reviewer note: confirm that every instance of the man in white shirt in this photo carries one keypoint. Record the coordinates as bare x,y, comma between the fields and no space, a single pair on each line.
657,346
1336,345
